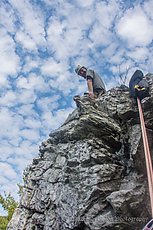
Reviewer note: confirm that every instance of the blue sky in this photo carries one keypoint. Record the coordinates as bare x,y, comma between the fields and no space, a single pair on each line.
41,42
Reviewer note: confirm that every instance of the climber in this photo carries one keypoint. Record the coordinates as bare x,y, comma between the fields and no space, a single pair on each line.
138,86
95,84
139,89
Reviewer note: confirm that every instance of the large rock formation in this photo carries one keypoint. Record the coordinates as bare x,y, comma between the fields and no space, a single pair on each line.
90,173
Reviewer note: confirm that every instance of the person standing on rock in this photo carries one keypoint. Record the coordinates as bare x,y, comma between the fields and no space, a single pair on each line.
95,84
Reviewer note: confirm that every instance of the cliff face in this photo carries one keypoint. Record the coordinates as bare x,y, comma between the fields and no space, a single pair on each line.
90,173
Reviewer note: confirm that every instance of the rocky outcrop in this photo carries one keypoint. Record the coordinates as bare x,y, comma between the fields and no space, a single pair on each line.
90,173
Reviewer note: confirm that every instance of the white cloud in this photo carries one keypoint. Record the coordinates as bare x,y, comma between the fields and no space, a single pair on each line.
7,17
7,171
48,104
10,123
110,50
29,134
9,59
100,35
148,6
86,3
26,149
26,109
59,76
54,120
66,37
32,82
118,56
20,162
32,21
31,63
5,150
106,12
135,27
32,123
139,54
25,40
26,96
8,99
52,68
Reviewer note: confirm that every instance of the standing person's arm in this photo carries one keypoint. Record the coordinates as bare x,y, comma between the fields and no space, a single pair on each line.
89,77
90,87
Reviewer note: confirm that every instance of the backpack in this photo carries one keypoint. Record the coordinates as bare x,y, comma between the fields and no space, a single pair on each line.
138,86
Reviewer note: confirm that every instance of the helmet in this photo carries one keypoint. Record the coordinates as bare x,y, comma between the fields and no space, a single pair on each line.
78,68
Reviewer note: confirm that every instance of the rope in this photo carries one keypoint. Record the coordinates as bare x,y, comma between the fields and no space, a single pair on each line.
147,155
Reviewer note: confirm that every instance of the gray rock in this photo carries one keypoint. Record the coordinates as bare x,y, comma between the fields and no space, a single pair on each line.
90,173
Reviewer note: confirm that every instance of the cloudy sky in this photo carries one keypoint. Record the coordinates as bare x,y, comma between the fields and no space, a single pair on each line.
41,42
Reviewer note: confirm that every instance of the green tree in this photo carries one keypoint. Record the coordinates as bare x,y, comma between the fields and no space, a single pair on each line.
9,204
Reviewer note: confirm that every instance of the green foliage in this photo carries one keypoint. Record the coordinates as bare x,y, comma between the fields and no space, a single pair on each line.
3,222
9,205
